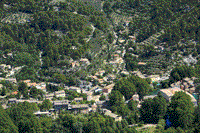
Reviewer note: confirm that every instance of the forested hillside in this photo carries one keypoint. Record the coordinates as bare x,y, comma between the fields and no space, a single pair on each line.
98,54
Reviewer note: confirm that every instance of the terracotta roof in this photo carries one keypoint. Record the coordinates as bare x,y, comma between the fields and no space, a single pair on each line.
142,63
15,93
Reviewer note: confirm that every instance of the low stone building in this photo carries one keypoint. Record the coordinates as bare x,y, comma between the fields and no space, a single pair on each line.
168,93
108,88
112,115
80,108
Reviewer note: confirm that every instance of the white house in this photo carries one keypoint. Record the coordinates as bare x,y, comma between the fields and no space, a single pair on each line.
77,89
60,93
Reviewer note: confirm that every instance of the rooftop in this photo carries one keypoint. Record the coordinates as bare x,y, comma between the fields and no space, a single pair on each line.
171,91
80,106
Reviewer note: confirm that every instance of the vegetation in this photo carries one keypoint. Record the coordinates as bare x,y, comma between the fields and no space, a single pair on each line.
67,31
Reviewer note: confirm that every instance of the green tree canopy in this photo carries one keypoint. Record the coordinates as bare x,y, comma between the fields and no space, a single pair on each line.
126,87
46,105
6,123
181,110
153,110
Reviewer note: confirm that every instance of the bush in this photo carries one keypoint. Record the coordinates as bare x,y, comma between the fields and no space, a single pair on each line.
102,98
70,97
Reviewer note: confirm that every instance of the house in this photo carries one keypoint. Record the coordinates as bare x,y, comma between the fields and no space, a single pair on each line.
12,100
78,99
60,93
80,108
84,61
154,78
112,115
94,77
121,40
38,113
3,66
1,85
15,93
100,103
168,93
100,81
2,78
118,52
61,104
111,77
115,56
77,89
12,80
9,54
100,73
125,73
41,86
139,74
134,55
28,82
132,38
136,97
89,97
75,64
49,96
113,63
94,107
108,89
85,84
141,63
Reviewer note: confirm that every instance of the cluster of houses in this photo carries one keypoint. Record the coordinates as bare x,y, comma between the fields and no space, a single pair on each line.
186,85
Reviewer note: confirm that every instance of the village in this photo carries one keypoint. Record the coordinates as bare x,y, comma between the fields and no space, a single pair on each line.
99,85
80,76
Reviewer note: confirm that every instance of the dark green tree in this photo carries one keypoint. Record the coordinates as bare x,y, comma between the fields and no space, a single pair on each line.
3,91
6,123
116,98
102,98
46,105
34,92
126,87
197,119
153,109
181,110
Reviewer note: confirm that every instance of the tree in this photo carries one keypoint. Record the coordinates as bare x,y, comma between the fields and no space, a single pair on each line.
6,123
22,116
153,109
155,84
148,80
70,97
18,96
132,105
181,110
160,126
197,119
25,94
3,92
94,126
131,62
197,90
34,92
46,105
22,87
102,98
46,123
126,87
59,78
116,98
